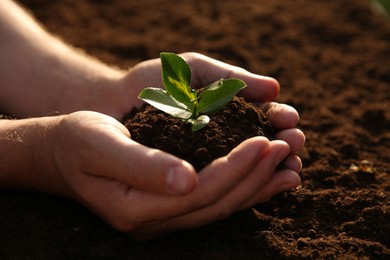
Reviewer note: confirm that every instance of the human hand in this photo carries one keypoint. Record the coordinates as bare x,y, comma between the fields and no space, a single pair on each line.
100,166
89,145
252,173
205,70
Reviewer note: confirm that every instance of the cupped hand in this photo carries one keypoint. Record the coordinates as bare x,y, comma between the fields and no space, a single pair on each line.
253,172
129,185
205,71
89,145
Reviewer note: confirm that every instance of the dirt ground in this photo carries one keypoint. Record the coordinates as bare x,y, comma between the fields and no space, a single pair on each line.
332,59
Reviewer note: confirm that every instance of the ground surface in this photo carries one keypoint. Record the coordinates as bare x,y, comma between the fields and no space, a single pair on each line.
332,59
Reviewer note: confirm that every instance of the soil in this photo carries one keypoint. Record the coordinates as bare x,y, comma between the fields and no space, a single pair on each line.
332,60
229,127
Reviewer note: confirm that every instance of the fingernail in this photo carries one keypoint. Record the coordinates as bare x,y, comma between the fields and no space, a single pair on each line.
179,179
293,180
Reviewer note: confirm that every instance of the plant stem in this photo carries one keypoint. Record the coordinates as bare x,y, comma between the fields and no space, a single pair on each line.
195,113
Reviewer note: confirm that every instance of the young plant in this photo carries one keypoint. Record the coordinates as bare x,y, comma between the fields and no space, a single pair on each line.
181,101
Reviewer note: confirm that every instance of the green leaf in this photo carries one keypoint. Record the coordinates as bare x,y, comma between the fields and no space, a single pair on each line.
384,5
177,78
199,123
179,100
160,99
218,94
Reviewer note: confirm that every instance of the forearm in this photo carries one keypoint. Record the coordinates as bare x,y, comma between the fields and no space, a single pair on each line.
41,75
25,157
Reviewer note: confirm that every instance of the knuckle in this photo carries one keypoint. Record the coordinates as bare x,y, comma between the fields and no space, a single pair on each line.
191,54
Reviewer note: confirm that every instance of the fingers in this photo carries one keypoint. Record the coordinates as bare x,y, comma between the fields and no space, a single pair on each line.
100,146
216,180
206,70
284,118
124,207
224,187
146,169
258,177
281,116
245,190
282,180
293,163
294,137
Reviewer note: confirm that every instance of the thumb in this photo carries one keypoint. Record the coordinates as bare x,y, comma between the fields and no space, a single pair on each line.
147,169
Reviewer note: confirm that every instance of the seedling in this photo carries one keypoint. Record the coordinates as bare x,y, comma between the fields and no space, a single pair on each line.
181,101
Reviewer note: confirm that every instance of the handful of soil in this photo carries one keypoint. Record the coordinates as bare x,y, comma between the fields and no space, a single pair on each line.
236,122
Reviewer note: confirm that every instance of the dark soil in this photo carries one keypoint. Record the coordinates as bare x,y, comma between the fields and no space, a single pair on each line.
332,60
229,127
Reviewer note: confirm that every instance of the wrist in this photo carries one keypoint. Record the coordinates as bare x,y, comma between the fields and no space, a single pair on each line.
93,87
26,160
41,75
